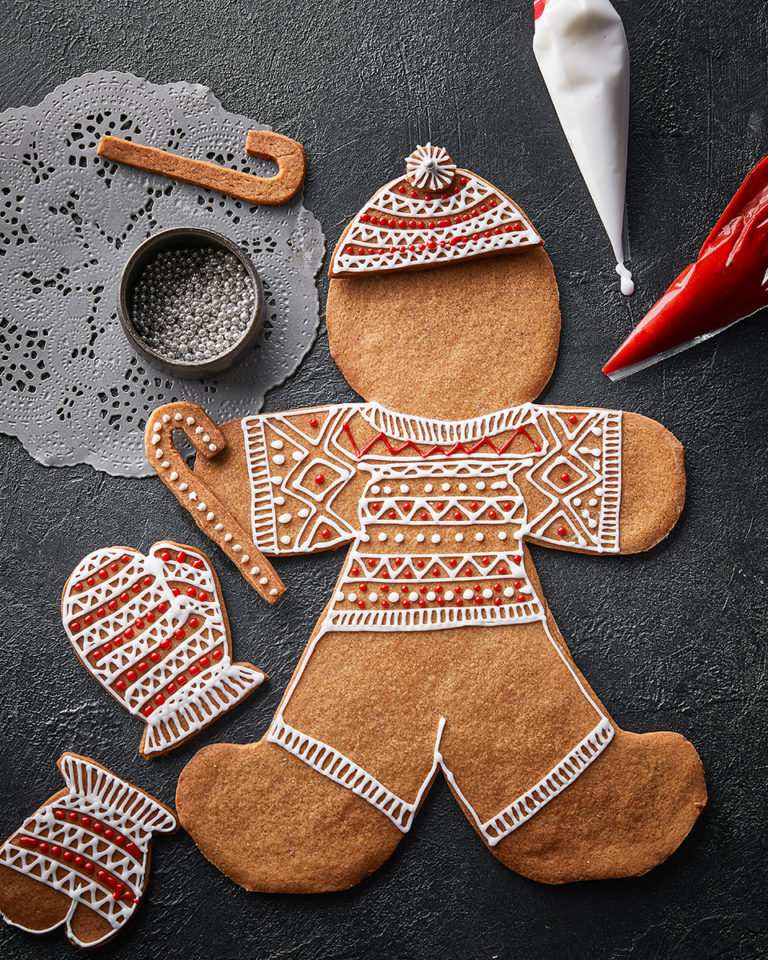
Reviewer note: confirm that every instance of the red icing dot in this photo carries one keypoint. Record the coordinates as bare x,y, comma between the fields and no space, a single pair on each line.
73,816
97,826
128,633
131,675
191,591
161,608
352,249
42,847
391,514
492,514
138,623
194,669
154,656
181,556
313,421
181,679
217,654
202,595
561,531
565,477
325,533
142,666
424,515
136,587
55,850
407,574
171,688
90,581
516,584
97,654
100,612
361,603
67,855
385,603
159,699
107,647
125,558
78,587
165,555
109,833
406,603
120,685
88,618
484,560
74,627
452,562
124,596
420,563
119,840
88,866
457,515
193,621
572,418
467,571
198,564
463,181
204,661
497,601
459,602
102,875
517,558
370,562
79,861
103,574
59,814
133,849
520,597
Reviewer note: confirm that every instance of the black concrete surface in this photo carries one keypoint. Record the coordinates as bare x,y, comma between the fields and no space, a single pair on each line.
675,639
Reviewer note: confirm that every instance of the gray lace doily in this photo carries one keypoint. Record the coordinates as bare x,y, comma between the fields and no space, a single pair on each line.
71,387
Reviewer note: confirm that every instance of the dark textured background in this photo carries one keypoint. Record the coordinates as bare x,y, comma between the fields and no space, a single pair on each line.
674,640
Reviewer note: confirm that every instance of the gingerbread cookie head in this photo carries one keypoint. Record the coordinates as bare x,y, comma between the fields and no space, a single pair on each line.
442,301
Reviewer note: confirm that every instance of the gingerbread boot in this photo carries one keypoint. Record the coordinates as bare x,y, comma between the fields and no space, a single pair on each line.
275,825
624,814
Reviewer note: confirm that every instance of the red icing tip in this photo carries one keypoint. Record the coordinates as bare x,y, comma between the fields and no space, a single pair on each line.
727,282
538,8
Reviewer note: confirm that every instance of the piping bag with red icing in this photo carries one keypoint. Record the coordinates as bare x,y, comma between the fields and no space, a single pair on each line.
728,281
582,52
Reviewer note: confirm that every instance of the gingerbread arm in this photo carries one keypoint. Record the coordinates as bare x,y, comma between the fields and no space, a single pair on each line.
605,482
192,493
286,153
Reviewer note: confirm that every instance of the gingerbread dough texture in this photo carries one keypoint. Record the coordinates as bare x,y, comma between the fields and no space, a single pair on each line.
437,652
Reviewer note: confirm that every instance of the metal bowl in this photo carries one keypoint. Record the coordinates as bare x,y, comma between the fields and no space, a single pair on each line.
187,237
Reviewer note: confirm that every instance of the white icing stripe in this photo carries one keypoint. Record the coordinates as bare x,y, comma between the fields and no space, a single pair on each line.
95,794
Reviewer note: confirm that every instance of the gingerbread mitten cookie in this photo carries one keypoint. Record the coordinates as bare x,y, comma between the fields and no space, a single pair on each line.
82,858
154,631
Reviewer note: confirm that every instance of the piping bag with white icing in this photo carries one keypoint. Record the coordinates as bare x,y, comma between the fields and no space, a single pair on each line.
581,49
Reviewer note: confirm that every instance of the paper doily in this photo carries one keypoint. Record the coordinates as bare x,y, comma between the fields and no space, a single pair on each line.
71,387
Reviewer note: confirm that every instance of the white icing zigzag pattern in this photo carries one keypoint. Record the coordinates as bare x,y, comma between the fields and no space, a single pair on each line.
91,844
151,630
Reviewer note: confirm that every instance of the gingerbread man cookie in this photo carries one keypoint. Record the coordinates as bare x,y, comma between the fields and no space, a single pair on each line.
437,652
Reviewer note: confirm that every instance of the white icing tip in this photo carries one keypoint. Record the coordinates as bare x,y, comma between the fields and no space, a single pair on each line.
627,283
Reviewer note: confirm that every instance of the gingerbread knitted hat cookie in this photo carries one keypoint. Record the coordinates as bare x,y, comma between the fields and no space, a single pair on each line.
433,215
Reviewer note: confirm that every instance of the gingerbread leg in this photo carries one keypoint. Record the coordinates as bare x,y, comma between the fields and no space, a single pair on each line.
624,815
328,794
275,825
553,787
27,903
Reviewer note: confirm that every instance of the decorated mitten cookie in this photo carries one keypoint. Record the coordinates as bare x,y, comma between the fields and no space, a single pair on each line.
82,858
437,651
153,630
